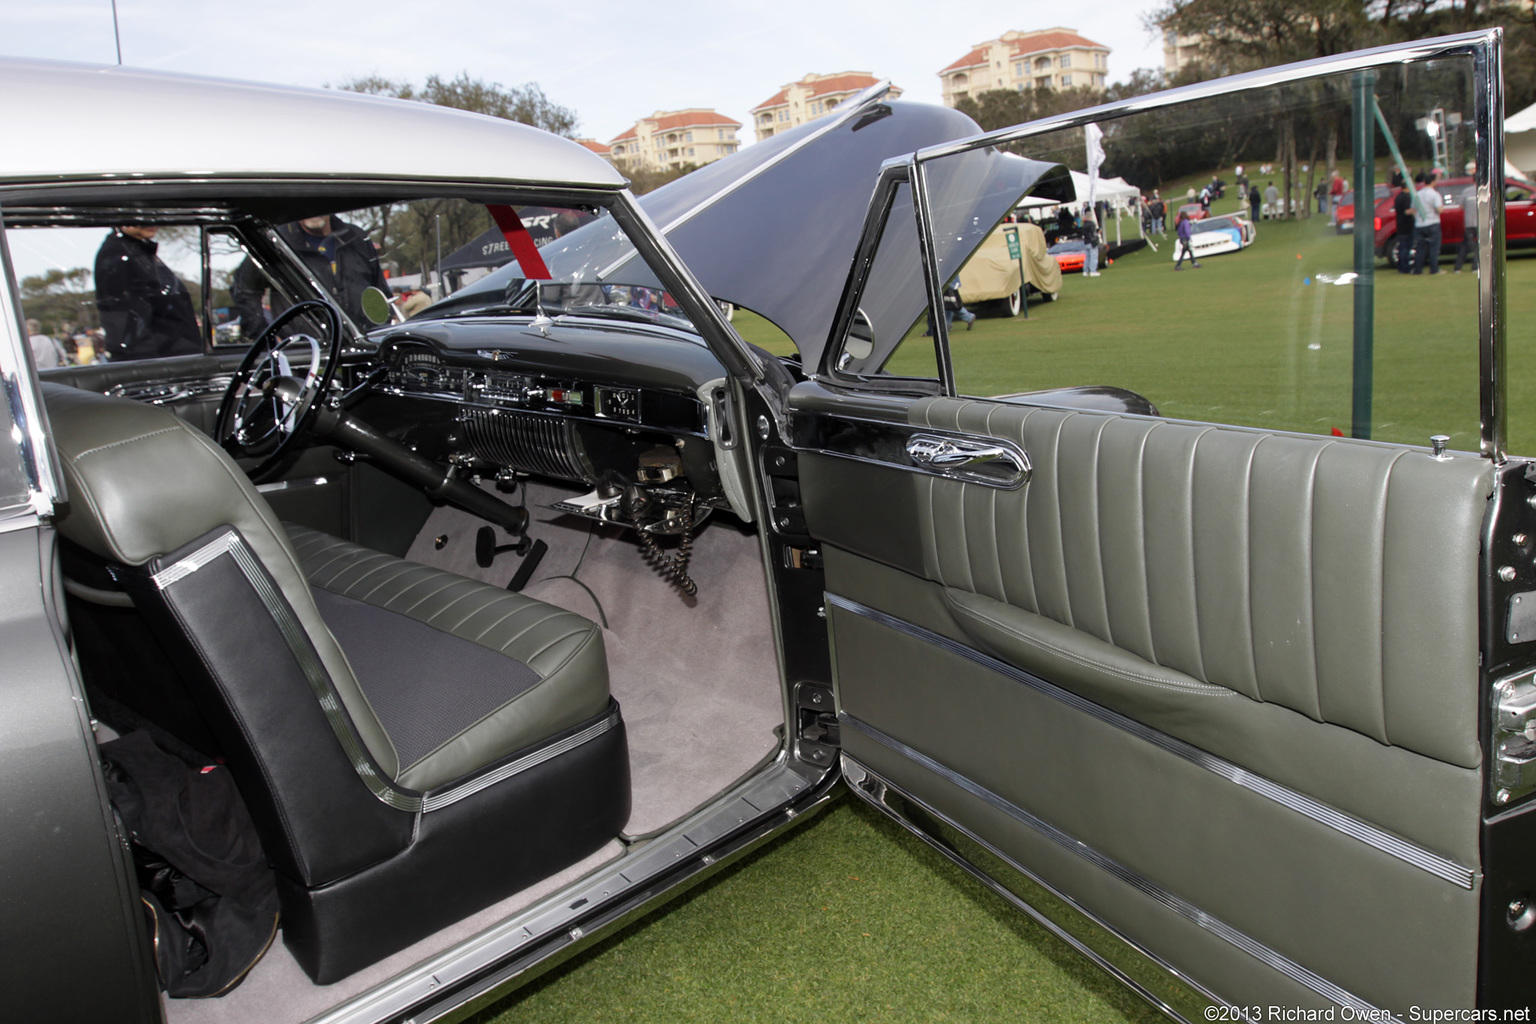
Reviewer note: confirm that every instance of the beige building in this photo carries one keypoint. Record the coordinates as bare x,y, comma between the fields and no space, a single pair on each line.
808,99
1049,58
671,138
1179,50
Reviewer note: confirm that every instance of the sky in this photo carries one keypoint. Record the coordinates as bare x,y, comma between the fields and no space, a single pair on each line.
611,63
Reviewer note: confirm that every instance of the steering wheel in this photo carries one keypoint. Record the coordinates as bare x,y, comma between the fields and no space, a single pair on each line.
254,420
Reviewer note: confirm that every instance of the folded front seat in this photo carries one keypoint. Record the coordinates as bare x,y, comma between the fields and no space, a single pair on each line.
413,745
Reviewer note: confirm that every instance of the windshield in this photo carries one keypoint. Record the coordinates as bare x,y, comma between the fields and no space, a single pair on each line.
557,261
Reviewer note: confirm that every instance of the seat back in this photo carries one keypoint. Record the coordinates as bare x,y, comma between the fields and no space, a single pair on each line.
218,582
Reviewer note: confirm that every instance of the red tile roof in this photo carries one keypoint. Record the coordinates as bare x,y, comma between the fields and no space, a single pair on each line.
1029,44
628,133
842,83
1053,41
778,99
690,119
595,146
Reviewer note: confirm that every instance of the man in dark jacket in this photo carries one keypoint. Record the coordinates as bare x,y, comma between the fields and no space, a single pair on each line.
341,257
146,310
1402,207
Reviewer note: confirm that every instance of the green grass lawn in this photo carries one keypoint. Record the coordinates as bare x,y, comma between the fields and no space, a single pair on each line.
1256,337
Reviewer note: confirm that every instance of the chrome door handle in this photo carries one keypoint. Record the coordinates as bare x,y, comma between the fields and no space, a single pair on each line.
950,454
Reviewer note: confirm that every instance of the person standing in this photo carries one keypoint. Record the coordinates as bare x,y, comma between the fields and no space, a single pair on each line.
1335,195
1091,239
1159,213
1426,225
1254,199
145,308
1402,209
1184,229
1468,230
341,257
1272,200
46,352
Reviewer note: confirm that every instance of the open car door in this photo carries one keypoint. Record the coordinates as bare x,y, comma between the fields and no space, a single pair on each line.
1220,669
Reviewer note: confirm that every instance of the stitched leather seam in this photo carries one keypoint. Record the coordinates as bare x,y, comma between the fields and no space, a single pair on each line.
125,441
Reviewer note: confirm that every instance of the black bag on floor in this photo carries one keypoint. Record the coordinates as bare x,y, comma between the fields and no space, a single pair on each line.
210,900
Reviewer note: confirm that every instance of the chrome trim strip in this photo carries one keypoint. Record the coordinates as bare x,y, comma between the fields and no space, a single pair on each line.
1392,845
189,564
331,703
1488,111
319,681
897,455
435,801
858,777
292,485
1254,948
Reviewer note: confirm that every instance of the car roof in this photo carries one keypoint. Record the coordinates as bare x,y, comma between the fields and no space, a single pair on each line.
89,122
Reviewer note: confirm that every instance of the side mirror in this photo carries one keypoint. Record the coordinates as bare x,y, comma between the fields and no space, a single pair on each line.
377,307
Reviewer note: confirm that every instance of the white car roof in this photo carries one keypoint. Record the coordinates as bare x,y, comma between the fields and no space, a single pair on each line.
89,122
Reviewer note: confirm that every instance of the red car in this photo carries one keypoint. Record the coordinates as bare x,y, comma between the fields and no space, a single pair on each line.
1345,222
1519,215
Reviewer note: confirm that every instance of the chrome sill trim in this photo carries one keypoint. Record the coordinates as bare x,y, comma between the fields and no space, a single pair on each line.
438,800
858,777
1394,846
1254,948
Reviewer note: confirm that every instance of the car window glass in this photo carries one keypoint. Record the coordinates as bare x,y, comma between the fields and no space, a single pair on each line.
88,290
891,333
1263,332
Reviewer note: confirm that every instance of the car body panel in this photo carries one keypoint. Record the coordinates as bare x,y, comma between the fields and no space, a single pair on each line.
1212,236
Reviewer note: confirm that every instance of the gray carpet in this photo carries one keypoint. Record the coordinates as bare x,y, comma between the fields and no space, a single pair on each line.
277,989
698,678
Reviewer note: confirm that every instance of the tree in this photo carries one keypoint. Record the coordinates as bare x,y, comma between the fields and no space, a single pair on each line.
60,299
526,103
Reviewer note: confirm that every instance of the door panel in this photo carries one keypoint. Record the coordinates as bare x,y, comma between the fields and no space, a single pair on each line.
1239,668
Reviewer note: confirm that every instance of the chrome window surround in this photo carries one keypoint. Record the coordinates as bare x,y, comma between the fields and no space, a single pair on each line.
336,716
29,420
1485,50
1248,944
1346,824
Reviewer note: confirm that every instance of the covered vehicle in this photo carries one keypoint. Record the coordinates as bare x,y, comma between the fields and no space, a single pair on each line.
1012,264
511,620
1210,236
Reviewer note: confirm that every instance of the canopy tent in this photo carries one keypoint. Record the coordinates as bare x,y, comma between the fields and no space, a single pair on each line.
1114,191
1520,144
490,248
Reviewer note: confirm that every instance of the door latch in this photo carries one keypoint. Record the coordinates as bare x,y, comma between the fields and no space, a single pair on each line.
1514,738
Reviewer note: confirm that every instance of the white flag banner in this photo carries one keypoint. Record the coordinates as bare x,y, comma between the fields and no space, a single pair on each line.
1094,136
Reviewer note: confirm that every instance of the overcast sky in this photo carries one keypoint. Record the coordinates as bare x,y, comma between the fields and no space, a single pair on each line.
612,63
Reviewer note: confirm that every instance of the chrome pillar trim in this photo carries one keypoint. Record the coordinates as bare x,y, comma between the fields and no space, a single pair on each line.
928,254
1347,824
1172,992
1488,142
438,800
1254,948
29,419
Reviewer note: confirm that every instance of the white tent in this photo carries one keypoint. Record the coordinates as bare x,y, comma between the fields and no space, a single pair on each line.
1520,144
1113,191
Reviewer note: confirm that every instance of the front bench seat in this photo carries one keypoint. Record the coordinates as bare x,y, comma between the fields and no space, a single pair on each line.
413,745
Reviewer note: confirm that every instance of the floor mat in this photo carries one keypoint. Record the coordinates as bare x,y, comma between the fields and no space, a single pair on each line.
697,677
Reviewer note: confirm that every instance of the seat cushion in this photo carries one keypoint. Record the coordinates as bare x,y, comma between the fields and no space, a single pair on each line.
460,674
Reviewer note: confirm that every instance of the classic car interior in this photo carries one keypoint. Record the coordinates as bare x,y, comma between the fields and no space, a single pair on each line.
417,742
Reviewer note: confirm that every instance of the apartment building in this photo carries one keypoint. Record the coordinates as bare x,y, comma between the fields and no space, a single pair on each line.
1048,58
1179,50
808,99
671,138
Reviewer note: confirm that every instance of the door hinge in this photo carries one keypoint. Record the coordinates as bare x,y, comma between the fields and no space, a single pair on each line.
1514,738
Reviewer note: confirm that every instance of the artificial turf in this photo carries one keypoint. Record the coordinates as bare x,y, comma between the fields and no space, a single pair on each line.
847,918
